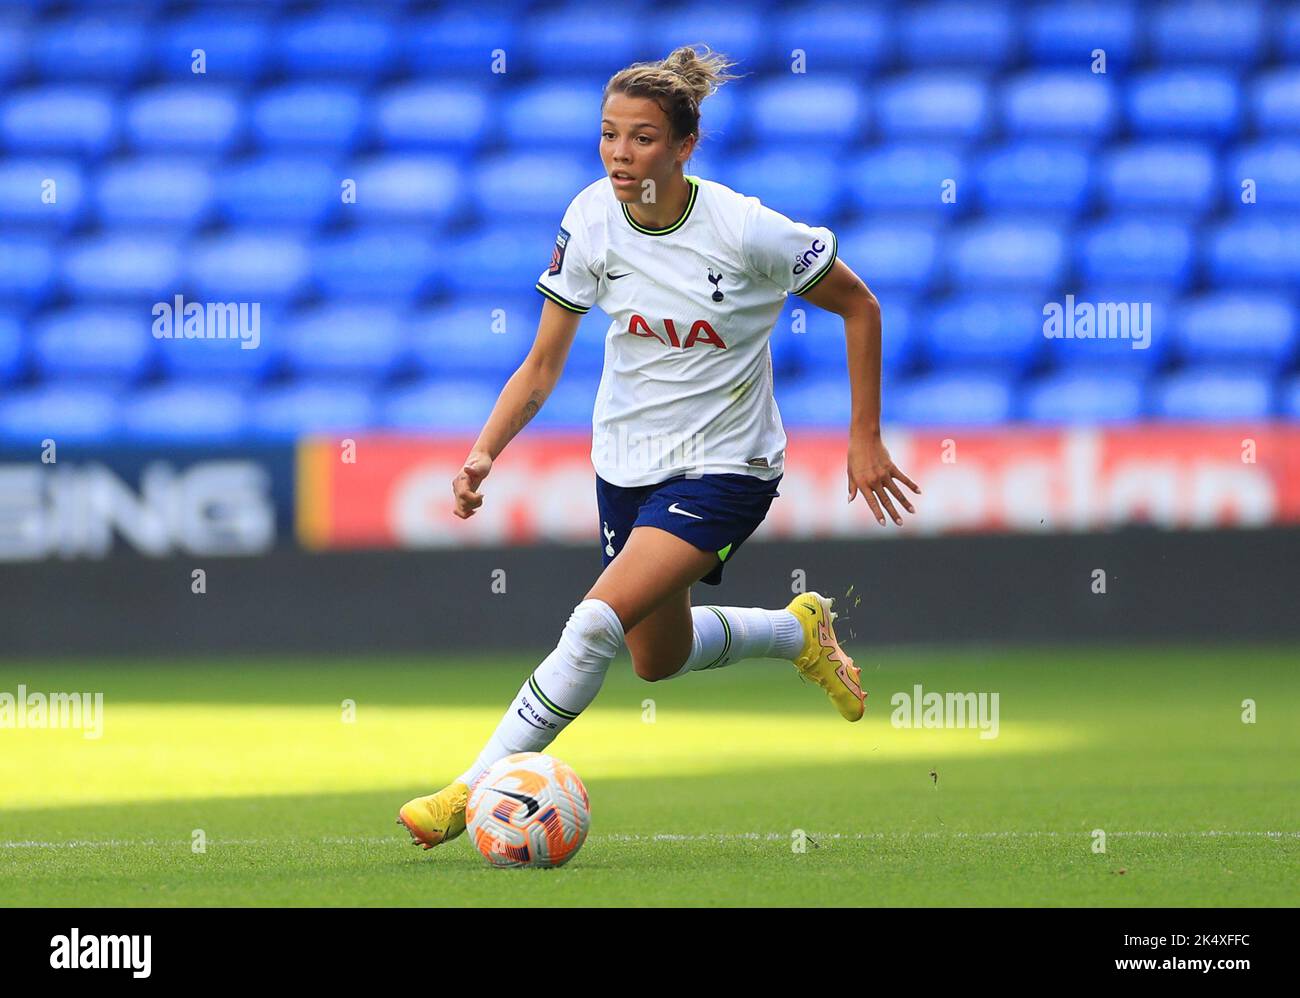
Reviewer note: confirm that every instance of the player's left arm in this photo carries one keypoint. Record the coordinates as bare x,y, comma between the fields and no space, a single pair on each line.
871,470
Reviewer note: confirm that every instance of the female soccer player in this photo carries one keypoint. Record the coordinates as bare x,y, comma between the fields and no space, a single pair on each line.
687,441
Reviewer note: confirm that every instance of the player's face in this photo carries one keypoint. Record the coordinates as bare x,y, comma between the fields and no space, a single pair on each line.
635,146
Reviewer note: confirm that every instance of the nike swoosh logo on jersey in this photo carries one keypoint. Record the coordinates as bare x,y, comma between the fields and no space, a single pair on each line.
673,509
615,277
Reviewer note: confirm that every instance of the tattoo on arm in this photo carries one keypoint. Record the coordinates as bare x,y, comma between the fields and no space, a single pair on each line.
533,404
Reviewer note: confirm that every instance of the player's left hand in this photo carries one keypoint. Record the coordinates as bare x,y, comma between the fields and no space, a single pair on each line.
873,473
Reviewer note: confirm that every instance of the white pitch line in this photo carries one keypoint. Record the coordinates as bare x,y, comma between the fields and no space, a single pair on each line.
397,839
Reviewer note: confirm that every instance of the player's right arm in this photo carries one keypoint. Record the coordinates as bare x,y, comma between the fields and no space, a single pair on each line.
521,398
568,286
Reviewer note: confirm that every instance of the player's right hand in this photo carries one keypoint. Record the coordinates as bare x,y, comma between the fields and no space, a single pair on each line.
465,485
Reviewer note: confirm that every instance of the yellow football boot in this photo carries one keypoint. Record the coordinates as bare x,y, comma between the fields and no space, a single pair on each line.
437,818
823,660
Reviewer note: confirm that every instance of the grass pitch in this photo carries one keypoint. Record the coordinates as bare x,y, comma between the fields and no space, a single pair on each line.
698,797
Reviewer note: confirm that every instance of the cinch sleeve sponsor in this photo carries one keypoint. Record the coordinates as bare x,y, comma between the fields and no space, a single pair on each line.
792,255
568,280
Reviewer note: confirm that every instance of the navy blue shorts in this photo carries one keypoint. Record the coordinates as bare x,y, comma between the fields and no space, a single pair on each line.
713,512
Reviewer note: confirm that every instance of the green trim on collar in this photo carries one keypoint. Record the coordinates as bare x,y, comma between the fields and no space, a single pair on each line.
690,204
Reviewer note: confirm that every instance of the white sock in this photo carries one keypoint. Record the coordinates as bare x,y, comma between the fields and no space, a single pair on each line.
559,689
726,634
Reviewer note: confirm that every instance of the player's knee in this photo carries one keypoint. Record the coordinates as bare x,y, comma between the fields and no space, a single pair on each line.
594,624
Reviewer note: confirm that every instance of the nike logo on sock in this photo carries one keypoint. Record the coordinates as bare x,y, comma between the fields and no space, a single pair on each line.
673,509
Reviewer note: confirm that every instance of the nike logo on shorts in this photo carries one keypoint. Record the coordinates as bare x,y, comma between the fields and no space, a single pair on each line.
673,509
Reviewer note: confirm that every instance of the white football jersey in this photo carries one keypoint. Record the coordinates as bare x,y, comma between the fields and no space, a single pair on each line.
687,382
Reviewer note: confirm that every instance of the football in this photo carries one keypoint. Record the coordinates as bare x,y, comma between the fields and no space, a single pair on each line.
528,809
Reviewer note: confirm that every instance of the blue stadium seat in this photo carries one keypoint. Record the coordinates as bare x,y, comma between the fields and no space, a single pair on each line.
1007,253
587,38
552,113
337,43
15,47
96,343
1288,31
1061,103
1174,175
122,263
948,33
537,187
1208,32
305,115
739,31
1289,399
235,42
486,337
821,348
185,413
22,197
409,186
1201,102
1275,168
502,258
571,405
1080,397
452,406
1255,252
1069,32
110,49
905,176
426,115
951,399
806,188
588,350
356,341
824,109
891,255
462,43
27,268
1135,251
835,35
1275,100
1029,175
154,190
295,189
383,261
721,123
286,412
899,334
802,336
180,117
245,265
68,118
933,105
13,350
1236,326
1211,395
816,400
234,361
64,413
995,334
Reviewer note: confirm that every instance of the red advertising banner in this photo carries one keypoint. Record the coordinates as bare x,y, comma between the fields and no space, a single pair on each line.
395,491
